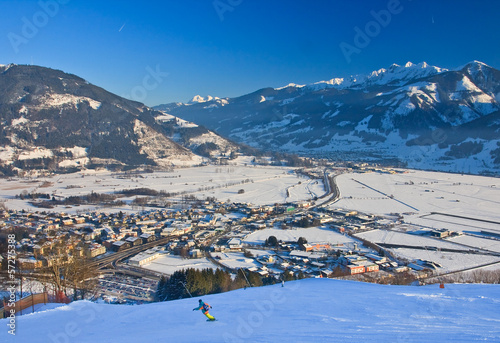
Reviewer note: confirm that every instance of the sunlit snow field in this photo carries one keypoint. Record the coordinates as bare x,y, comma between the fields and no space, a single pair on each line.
261,185
418,193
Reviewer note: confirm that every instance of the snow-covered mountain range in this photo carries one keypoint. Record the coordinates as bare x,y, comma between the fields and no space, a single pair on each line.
56,121
420,115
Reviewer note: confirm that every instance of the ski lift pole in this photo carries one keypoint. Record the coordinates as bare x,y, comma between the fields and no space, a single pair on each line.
187,290
243,272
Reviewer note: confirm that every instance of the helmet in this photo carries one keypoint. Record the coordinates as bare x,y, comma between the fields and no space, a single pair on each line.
200,301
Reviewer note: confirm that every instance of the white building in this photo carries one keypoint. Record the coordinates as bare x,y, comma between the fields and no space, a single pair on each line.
144,257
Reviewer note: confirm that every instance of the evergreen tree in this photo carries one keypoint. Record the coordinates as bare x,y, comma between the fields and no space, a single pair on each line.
288,276
240,280
174,288
254,279
194,282
160,290
272,241
222,281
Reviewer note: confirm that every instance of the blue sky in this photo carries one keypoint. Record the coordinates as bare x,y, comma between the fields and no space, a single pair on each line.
164,51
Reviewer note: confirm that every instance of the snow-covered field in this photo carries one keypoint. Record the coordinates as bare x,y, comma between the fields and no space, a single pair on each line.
425,249
235,260
418,193
168,264
487,243
449,261
312,235
310,310
401,238
261,185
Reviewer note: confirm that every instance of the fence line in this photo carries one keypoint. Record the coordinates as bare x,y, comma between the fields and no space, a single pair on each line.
24,303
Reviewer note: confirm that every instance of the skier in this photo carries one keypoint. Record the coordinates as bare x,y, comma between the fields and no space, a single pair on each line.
204,307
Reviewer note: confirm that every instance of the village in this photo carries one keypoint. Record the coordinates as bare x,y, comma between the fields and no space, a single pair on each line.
218,233
132,250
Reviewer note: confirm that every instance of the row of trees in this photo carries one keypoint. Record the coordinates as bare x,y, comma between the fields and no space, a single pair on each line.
91,198
193,282
272,241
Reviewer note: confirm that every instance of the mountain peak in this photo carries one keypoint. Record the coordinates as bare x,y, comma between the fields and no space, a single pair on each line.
474,66
47,110
295,85
395,73
390,111
199,99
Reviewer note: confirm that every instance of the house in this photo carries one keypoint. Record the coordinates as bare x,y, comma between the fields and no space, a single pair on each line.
120,245
95,250
235,244
355,269
144,257
316,247
415,267
352,259
376,258
207,220
134,241
29,263
195,253
146,237
371,267
68,222
440,233
79,220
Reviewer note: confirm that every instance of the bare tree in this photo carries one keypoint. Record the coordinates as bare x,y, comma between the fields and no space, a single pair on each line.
67,269
82,276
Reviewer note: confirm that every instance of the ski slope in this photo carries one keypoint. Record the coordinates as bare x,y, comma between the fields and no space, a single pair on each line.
310,310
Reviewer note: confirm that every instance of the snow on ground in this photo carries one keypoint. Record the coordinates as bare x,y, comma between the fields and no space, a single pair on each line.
261,185
310,310
57,100
425,249
486,243
314,188
449,261
35,153
418,193
235,260
401,238
40,308
258,252
168,264
312,235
